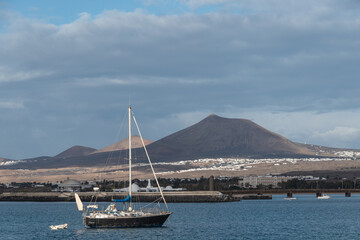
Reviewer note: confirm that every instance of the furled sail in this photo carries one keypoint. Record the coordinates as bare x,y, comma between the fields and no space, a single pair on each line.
127,199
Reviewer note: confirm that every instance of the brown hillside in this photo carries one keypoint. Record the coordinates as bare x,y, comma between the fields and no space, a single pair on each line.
124,144
224,137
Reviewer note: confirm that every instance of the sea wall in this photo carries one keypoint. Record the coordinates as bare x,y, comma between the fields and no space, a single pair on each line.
189,196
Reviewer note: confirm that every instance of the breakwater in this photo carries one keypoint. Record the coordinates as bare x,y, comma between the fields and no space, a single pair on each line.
188,196
285,191
254,196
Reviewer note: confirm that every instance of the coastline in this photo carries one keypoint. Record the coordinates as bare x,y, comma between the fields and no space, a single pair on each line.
294,191
189,196
171,197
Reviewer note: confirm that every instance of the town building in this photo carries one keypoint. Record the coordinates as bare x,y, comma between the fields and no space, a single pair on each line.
267,180
270,180
148,188
71,185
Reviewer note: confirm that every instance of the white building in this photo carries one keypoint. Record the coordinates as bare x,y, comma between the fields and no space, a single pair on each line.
268,180
148,188
71,185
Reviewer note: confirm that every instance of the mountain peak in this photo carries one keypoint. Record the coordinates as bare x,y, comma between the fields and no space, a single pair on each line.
124,144
213,117
75,151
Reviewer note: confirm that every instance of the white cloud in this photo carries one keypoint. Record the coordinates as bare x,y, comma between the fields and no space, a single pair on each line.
102,81
12,75
140,80
339,133
194,4
12,104
190,118
295,8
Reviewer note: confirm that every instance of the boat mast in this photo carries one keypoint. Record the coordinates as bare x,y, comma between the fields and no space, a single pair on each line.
130,190
152,168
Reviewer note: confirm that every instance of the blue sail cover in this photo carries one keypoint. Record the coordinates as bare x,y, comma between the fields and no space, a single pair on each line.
127,199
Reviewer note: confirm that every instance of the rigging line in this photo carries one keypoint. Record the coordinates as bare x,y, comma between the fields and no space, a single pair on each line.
121,159
148,157
91,202
111,152
118,166
155,201
118,161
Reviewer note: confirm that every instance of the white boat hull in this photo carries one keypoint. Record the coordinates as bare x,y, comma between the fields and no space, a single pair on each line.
290,198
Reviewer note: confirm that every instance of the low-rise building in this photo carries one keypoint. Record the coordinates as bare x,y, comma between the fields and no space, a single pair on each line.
71,185
148,188
267,180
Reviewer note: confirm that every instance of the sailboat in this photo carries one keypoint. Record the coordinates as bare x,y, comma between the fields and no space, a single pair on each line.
111,217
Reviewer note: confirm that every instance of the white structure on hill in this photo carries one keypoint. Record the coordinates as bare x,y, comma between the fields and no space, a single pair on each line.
148,188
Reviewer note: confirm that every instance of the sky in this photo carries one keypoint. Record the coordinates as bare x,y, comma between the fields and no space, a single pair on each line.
68,69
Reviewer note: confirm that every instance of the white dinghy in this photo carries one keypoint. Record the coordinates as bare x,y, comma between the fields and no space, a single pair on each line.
323,196
59,227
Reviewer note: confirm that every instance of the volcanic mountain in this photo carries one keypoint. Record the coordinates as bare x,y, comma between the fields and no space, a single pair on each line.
224,137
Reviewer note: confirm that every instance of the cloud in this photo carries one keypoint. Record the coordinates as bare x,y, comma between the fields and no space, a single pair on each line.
342,133
253,50
194,4
11,104
279,53
281,64
144,80
278,8
11,75
175,122
103,81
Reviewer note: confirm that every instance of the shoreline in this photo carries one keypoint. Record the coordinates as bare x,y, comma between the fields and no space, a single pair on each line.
294,191
190,196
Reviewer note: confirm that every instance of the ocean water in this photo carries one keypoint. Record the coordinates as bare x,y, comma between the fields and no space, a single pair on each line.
304,218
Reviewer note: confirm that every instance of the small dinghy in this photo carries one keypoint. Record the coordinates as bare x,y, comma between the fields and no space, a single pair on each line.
323,196
290,196
58,227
